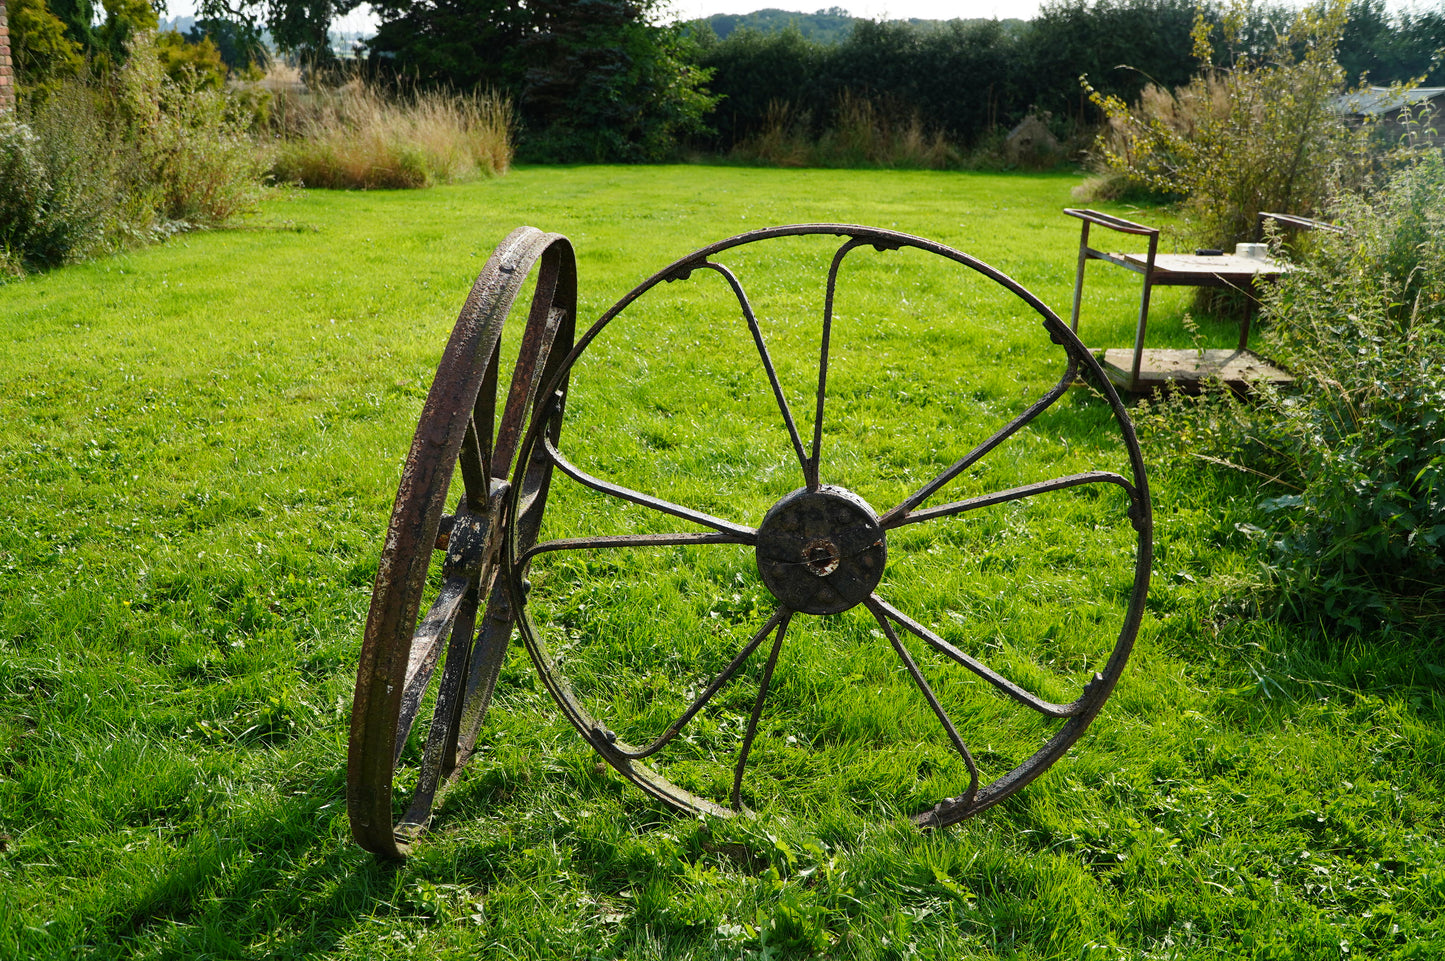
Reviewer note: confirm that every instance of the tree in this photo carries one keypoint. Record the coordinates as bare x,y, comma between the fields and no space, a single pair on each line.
457,43
192,64
1395,49
900,66
831,26
123,20
1423,33
54,41
297,26
752,71
1120,45
603,83
43,51
239,44
78,16
594,80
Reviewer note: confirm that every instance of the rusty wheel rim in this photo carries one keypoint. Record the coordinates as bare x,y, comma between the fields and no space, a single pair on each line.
468,627
837,537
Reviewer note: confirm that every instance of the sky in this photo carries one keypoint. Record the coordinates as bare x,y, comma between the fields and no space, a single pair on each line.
693,9
872,9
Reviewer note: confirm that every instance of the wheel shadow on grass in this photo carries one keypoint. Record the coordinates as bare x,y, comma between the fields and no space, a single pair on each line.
282,879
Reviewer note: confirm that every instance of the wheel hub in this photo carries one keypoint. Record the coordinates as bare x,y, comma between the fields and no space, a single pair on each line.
821,551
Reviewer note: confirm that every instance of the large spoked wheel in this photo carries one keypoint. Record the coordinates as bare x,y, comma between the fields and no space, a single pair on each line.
458,431
618,598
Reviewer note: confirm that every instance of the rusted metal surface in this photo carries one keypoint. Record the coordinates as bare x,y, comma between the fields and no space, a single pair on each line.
820,550
458,431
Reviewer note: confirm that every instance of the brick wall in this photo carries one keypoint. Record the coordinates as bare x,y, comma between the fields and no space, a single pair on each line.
7,72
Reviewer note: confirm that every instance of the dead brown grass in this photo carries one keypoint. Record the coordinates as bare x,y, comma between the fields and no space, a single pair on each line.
358,135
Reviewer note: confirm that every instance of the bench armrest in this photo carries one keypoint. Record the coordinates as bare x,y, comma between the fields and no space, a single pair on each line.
1304,223
1112,222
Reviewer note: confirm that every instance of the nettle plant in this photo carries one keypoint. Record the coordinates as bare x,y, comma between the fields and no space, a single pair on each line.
1354,455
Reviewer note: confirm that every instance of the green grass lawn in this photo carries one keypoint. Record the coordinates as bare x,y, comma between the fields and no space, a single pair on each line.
199,446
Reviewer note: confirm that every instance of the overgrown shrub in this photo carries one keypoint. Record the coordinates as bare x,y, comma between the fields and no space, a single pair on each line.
1256,132
60,199
102,162
358,136
194,158
1354,454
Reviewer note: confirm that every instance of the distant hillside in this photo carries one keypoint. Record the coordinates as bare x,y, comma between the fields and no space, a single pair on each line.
180,25
826,26
830,26
346,44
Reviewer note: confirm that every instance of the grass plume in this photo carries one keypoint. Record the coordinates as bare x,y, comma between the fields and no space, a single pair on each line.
359,135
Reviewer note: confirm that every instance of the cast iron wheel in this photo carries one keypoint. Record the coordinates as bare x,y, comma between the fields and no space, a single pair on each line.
820,550
457,430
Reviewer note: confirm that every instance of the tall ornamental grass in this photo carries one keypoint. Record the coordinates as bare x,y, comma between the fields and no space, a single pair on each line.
358,135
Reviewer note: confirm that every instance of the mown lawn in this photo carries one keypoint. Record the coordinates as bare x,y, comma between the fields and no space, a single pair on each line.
199,445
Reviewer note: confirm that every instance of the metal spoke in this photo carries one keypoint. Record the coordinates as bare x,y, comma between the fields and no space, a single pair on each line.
441,737
894,517
767,360
784,616
475,456
484,664
874,605
472,461
425,651
532,359
726,675
643,500
1018,493
536,479
632,540
1046,708
810,468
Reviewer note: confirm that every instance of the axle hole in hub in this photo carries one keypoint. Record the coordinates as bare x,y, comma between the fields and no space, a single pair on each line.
821,557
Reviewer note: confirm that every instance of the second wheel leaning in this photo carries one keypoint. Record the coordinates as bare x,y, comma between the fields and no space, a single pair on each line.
445,664
830,520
